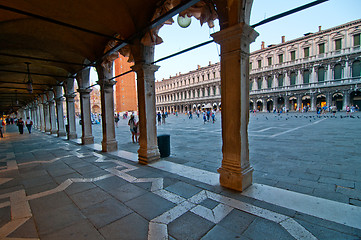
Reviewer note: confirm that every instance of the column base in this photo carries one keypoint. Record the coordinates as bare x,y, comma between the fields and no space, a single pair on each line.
149,155
53,131
72,136
87,140
238,181
61,133
109,146
48,131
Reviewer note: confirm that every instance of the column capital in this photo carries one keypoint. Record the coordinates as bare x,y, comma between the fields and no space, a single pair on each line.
59,99
84,90
68,96
106,83
237,33
145,67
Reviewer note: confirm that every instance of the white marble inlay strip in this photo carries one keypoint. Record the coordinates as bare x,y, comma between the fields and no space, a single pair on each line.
157,231
199,197
157,183
19,205
59,188
188,172
344,214
4,204
294,129
39,162
264,213
12,165
11,227
91,179
296,230
172,214
5,180
174,198
121,174
215,215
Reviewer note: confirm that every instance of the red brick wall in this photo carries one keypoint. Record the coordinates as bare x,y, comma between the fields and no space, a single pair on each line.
125,88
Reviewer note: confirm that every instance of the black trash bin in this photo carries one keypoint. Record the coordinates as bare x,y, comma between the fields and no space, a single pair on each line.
164,145
67,128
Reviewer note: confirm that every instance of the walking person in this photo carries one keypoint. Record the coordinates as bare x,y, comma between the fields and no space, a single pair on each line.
20,124
116,119
133,128
159,117
28,124
1,128
163,118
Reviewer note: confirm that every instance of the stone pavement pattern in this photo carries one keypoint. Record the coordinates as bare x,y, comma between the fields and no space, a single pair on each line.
301,152
55,189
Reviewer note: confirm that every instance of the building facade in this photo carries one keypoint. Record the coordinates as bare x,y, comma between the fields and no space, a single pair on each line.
318,69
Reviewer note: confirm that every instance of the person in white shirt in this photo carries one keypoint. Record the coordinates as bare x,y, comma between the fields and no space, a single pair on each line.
29,124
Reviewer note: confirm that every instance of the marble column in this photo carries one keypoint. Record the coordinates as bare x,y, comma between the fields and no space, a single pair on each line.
236,171
287,103
53,121
275,103
59,100
148,150
109,142
346,99
60,113
217,90
313,102
299,103
328,99
85,108
264,104
70,110
46,116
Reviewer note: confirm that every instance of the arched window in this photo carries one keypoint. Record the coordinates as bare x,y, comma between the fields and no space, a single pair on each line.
321,74
269,82
356,69
306,76
280,80
250,85
259,83
293,79
337,71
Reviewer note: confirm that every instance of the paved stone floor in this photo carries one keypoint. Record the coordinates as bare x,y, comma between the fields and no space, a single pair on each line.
302,152
51,188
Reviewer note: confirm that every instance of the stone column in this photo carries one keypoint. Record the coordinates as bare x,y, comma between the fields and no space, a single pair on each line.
46,117
59,99
109,142
85,109
313,102
236,171
328,99
70,110
205,92
275,103
264,104
40,116
148,150
287,103
299,103
53,120
346,99
60,113
217,90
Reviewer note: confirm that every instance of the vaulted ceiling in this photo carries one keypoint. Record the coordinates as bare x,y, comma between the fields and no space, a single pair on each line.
56,37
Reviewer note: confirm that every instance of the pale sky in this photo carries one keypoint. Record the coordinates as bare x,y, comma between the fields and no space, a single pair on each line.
327,15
